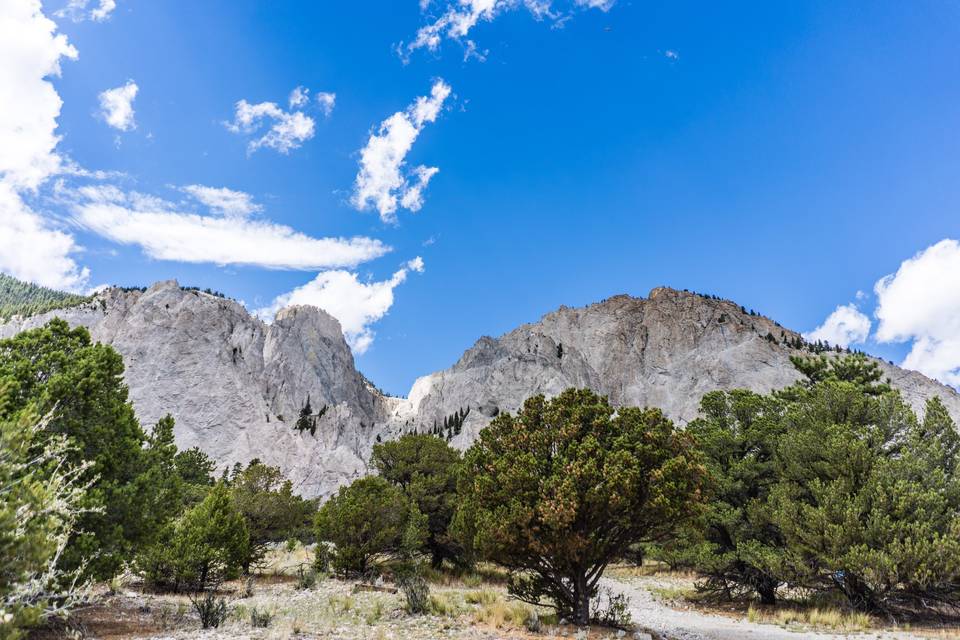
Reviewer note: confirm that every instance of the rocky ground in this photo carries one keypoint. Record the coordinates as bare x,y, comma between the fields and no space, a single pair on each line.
664,603
470,607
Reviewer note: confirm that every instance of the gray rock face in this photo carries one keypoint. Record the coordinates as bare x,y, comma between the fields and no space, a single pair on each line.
666,351
235,385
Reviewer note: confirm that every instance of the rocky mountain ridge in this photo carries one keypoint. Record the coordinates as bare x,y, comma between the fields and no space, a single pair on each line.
235,384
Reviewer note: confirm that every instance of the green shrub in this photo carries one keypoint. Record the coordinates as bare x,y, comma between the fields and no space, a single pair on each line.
40,498
206,546
367,518
272,511
211,609
416,591
260,619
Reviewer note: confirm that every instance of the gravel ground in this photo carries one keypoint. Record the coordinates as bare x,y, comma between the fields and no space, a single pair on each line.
677,623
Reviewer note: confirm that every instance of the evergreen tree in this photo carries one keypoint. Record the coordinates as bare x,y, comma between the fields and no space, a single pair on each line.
60,372
367,518
425,468
207,545
558,491
272,512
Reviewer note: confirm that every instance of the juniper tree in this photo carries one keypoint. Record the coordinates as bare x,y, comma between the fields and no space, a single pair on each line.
368,518
272,511
558,491
425,468
79,385
736,542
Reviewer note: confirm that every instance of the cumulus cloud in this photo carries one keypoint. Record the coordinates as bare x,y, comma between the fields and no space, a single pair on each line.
80,10
920,303
459,18
224,201
31,51
356,305
165,233
287,130
299,97
327,102
33,250
32,246
382,182
116,106
845,326
270,126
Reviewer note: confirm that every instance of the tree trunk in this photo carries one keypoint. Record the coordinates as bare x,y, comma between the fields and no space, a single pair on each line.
768,592
581,593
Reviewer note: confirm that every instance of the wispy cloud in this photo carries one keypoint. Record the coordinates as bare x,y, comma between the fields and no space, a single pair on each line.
382,183
224,201
166,233
356,305
80,10
458,18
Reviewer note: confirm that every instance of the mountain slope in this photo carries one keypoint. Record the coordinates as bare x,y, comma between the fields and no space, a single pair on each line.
235,385
25,299
665,350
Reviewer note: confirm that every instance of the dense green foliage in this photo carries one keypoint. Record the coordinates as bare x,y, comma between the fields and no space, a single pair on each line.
40,499
205,546
738,431
25,299
195,469
271,510
561,489
60,372
832,486
366,519
425,467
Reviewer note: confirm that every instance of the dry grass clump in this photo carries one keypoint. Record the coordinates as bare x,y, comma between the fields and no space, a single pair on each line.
816,618
501,614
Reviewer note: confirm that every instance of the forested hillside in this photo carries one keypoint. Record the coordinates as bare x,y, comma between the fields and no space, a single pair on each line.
23,298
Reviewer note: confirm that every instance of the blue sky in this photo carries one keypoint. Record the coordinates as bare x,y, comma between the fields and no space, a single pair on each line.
784,155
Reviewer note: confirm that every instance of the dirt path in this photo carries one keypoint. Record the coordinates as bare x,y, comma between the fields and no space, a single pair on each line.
688,624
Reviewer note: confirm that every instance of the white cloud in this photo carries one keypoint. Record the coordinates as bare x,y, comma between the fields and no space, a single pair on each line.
845,326
224,201
116,106
32,247
32,250
456,21
167,234
920,303
299,97
381,182
327,102
77,10
287,130
355,304
671,54
31,52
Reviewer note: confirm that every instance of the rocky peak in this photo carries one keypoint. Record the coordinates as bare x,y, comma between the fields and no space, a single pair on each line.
235,385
